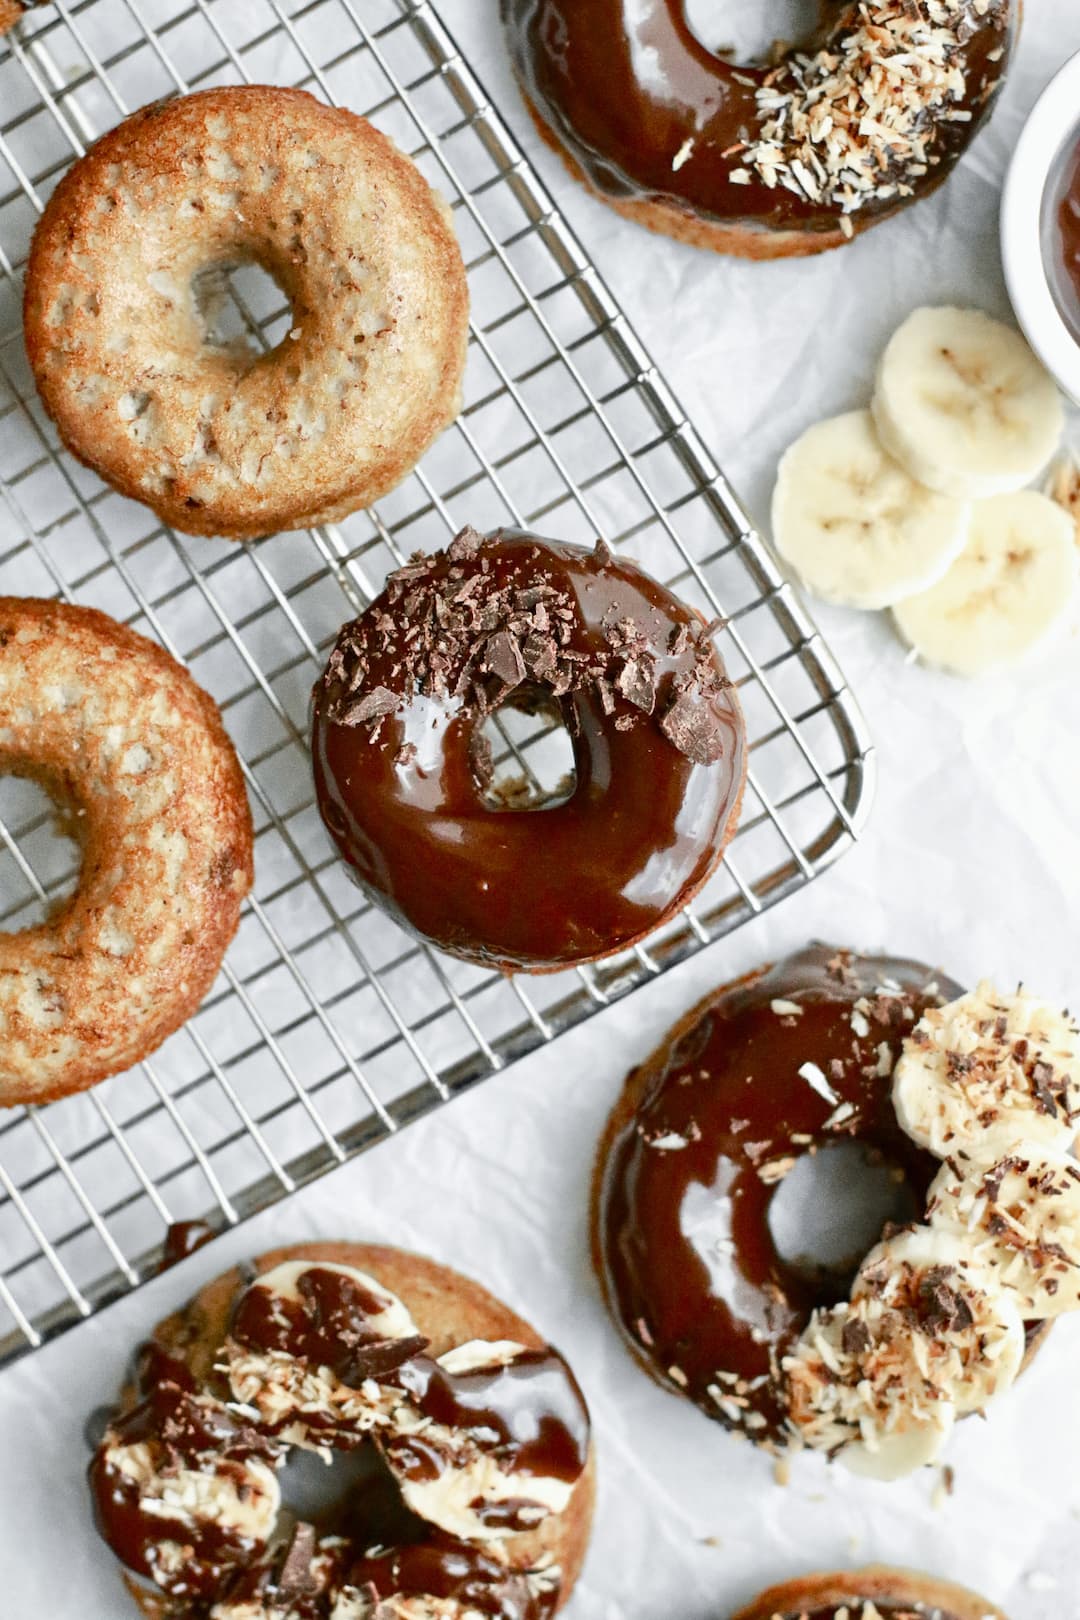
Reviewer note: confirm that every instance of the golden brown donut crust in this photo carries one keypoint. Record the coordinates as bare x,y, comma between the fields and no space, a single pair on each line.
877,1583
447,1307
215,439
126,742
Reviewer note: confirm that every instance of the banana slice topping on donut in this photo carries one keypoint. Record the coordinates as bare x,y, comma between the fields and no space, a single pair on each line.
926,1337
1020,1205
989,1061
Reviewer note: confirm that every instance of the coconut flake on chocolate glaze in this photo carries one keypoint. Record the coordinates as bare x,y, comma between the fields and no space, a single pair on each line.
403,773
769,160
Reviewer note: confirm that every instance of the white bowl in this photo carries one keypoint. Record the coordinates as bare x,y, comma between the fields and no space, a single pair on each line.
1028,234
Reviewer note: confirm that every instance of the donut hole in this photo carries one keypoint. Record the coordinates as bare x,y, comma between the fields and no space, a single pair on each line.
45,833
831,1208
352,1494
523,754
237,304
754,34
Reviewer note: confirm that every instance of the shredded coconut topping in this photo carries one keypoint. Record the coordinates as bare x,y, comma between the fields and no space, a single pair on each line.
859,121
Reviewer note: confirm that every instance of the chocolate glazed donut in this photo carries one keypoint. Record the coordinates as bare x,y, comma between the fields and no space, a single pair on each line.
404,782
699,1142
762,161
875,1593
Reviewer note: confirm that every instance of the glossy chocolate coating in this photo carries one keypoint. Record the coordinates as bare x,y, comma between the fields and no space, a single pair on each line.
539,889
531,1410
443,1568
626,86
330,1325
182,1239
172,1423
729,1085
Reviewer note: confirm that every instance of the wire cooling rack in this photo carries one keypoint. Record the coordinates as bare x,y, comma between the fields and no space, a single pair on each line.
329,1029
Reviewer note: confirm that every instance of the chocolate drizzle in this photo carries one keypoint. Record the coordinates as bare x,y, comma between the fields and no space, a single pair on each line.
687,1257
648,113
402,786
184,1446
330,1325
1068,238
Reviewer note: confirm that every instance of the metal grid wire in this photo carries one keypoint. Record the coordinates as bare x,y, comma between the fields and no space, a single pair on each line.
329,1029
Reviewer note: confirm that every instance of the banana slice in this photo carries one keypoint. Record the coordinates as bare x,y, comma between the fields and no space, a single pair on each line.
989,1062
1019,1203
853,1390
962,403
967,1331
853,525
1010,587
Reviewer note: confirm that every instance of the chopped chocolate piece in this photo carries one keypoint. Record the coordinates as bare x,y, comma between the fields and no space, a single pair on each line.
465,544
374,705
502,658
691,725
636,681
855,1337
297,1576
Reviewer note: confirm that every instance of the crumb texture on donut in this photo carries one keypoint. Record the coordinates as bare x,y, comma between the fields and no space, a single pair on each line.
218,439
136,754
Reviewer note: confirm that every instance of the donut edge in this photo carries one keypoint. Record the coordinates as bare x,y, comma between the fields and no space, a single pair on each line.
447,1306
204,964
874,1583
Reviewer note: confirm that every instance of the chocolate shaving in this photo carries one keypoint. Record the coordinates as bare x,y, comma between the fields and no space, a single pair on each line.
296,1577
374,705
465,544
502,658
636,681
855,1338
692,726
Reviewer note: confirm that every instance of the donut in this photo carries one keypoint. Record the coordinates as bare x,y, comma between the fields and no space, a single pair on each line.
216,439
768,161
135,755
778,1066
403,777
875,1593
465,1477
11,11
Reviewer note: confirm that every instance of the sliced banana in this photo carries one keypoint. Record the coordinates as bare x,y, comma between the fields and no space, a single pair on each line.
962,403
854,527
1011,586
987,1062
967,1331
1019,1203
854,1391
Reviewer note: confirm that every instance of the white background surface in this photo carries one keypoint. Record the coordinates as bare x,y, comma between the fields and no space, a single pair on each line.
970,862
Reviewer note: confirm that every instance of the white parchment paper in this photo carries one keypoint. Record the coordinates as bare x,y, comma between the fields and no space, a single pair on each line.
972,861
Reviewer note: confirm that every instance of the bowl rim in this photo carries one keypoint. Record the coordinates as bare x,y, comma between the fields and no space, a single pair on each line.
1054,117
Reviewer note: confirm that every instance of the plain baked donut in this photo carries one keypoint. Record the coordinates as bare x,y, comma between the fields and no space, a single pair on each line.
764,162
136,754
216,439
865,1594
403,776
195,1353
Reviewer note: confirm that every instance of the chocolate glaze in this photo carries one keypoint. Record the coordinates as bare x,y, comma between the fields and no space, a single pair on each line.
402,792
181,1431
531,1412
730,1086
328,1326
853,1609
443,1568
183,1239
625,86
